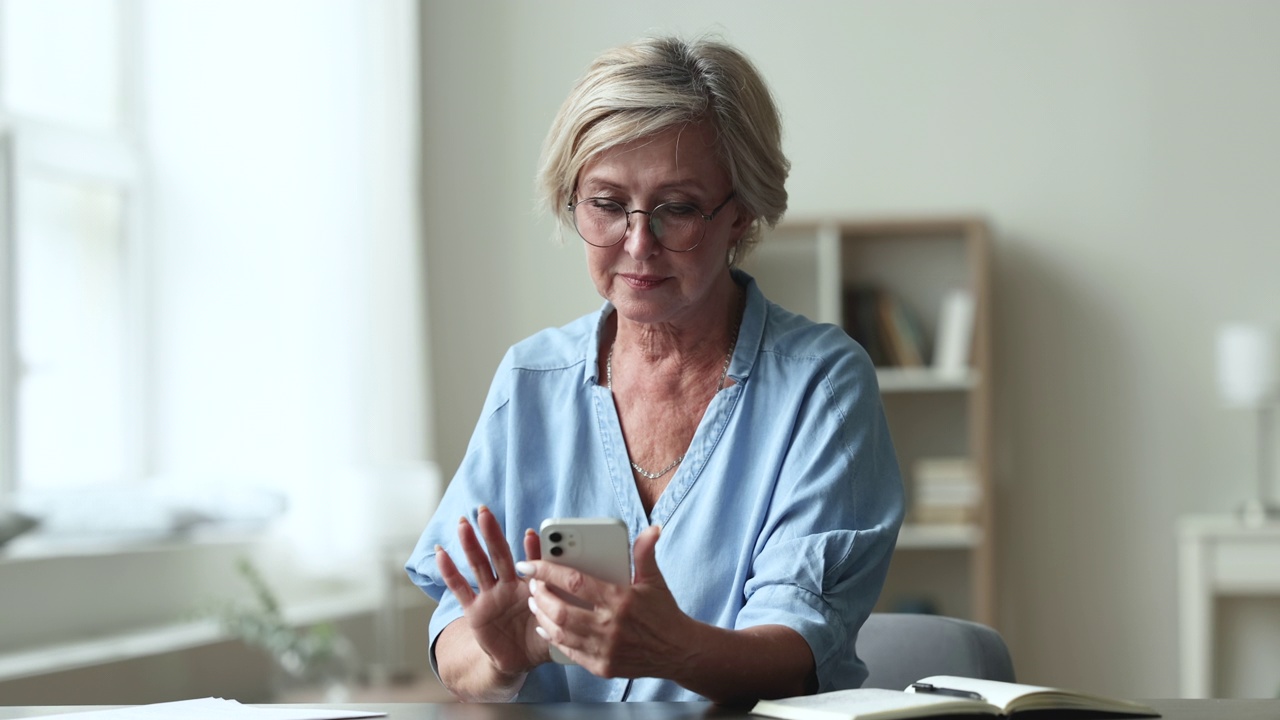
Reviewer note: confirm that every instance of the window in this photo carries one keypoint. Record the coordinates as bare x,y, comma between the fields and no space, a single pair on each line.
70,408
210,273
261,340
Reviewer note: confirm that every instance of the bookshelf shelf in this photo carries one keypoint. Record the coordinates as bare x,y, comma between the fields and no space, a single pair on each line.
938,537
893,283
924,380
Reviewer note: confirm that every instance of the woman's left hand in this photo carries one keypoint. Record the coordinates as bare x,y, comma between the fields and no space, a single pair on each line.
634,630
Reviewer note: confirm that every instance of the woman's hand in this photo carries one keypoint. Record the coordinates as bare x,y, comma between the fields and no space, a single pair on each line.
498,616
634,630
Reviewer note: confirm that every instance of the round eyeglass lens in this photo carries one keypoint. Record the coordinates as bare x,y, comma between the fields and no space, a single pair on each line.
600,222
678,226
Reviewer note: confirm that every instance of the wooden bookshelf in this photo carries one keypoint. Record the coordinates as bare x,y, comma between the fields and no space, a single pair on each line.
806,266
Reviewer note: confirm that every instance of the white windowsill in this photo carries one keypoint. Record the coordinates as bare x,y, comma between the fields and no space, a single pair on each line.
32,548
62,564
147,642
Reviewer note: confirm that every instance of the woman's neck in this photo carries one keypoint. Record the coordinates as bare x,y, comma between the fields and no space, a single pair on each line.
709,335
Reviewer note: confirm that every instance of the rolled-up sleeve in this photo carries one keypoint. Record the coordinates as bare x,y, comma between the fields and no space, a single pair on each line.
824,550
823,586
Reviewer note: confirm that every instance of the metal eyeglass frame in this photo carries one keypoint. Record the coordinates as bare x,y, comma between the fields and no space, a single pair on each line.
570,206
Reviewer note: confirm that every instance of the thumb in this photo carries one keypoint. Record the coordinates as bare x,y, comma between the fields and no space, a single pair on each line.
532,546
645,553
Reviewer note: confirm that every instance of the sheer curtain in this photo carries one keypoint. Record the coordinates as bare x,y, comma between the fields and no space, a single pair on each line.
289,336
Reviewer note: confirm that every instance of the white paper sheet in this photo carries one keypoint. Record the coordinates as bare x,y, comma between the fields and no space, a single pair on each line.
211,709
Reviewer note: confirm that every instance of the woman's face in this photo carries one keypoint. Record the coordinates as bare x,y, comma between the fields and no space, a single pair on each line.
646,282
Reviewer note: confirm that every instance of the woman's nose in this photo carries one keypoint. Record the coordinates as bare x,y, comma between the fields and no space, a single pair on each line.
640,241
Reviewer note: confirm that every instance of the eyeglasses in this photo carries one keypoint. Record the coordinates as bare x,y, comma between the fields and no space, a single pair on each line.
678,226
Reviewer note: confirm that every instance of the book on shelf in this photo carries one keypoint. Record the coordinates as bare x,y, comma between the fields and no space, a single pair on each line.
944,515
945,491
900,331
861,321
884,326
955,333
941,695
945,471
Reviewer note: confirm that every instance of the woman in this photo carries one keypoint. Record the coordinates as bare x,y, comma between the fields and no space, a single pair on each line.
743,446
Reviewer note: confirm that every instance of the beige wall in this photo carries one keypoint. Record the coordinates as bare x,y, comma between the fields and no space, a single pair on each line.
1127,154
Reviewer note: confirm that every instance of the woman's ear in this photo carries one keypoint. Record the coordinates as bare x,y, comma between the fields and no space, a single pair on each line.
742,220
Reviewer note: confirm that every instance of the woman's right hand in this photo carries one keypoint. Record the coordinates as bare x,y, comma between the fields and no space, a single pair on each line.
498,615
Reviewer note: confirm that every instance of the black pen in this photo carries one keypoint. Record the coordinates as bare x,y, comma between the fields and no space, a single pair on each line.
935,690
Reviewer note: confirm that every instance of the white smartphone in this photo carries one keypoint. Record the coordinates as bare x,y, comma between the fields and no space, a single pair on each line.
598,547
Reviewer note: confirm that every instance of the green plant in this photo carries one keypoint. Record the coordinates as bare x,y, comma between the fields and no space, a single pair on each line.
317,653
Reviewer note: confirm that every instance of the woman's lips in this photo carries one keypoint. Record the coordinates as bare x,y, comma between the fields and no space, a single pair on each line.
642,282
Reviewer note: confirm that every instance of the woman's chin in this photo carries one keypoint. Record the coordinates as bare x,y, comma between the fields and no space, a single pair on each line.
641,312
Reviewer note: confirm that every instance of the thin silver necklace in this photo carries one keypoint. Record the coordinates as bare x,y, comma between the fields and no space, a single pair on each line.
724,376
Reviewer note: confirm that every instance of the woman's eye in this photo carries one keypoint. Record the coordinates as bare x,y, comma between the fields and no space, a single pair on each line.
602,205
678,209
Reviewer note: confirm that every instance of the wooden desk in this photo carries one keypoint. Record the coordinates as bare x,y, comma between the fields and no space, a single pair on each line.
1169,709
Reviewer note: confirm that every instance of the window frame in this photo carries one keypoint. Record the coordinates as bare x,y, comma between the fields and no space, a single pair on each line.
8,338
38,147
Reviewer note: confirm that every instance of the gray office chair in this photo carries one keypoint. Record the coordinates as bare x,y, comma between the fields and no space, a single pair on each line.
901,648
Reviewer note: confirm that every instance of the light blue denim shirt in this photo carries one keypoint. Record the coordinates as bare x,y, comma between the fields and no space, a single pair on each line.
785,510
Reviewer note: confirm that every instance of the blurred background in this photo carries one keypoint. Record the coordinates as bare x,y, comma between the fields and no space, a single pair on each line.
260,260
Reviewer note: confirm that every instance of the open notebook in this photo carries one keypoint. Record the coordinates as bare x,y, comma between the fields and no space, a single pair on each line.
944,695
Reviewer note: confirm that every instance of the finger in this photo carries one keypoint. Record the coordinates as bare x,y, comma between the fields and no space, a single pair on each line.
566,621
453,579
532,546
554,617
567,581
645,553
476,556
546,637
499,552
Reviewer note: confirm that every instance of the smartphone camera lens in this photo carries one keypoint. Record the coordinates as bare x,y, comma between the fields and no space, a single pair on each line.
555,537
557,551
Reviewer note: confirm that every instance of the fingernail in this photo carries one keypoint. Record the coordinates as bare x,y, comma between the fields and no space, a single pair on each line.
439,549
482,508
542,633
524,567
533,606
533,586
462,519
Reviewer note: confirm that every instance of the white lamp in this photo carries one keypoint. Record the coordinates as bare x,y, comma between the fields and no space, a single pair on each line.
1249,377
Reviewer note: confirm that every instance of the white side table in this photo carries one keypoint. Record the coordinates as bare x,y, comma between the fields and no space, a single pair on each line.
1218,555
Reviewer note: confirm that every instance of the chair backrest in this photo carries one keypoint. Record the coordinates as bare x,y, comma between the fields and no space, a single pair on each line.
901,648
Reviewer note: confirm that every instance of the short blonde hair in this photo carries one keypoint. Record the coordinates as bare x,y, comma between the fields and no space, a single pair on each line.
646,87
